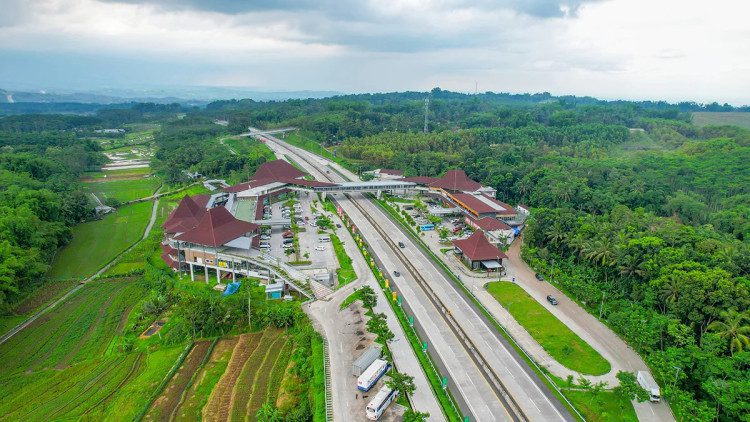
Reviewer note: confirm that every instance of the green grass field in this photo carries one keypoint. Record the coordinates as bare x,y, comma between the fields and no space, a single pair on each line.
604,407
737,118
123,190
97,242
60,366
554,336
345,271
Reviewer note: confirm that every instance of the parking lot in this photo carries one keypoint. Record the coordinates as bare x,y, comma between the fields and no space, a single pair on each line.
320,254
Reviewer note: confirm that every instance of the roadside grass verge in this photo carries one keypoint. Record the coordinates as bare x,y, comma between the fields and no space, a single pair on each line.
603,407
554,336
95,243
345,272
300,140
350,299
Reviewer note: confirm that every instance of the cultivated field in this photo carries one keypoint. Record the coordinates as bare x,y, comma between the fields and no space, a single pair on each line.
97,242
230,383
706,118
554,336
123,190
64,365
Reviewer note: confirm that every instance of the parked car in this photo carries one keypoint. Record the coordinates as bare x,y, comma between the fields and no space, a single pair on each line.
551,299
539,277
287,235
456,230
401,245
287,245
320,248
264,237
396,274
338,225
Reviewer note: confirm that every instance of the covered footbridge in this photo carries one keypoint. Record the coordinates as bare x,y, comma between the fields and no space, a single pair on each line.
377,186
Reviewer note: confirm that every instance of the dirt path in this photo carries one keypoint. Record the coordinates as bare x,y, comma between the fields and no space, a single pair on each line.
169,399
219,403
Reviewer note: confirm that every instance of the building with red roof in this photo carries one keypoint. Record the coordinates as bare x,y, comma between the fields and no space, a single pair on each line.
476,251
498,232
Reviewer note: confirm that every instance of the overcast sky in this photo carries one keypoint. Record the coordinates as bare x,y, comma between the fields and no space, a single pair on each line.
634,49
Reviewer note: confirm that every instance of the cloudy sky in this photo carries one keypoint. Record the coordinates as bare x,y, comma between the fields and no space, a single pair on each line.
639,49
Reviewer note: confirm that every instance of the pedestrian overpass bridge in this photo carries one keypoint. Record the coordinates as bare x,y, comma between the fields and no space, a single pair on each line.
376,186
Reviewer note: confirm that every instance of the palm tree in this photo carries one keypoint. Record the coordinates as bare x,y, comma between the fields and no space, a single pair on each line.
736,328
670,291
556,234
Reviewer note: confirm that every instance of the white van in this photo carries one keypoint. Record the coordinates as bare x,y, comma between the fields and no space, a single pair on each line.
324,239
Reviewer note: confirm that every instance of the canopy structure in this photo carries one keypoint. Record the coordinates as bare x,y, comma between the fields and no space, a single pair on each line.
491,265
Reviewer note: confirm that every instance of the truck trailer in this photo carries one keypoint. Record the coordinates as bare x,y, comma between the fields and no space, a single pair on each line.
647,382
365,360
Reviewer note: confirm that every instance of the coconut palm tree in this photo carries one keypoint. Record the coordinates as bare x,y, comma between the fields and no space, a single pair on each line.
735,328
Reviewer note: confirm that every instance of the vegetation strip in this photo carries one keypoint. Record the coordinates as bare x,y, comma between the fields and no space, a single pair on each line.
165,380
555,337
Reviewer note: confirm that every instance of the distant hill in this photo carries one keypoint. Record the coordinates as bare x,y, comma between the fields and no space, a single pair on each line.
707,118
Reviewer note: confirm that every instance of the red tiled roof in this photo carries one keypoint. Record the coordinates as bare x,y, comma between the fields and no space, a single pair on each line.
392,172
491,224
249,185
456,180
477,248
277,169
475,203
168,248
422,180
216,228
185,216
201,200
168,260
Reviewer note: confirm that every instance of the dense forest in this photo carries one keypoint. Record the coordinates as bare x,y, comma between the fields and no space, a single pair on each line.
639,215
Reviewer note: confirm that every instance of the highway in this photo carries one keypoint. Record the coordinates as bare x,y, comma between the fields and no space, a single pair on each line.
493,382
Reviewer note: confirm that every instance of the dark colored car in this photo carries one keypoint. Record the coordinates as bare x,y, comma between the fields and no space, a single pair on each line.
401,245
551,299
338,225
396,274
539,277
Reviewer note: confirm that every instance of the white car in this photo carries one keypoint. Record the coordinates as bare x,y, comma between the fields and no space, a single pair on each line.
287,245
320,248
264,237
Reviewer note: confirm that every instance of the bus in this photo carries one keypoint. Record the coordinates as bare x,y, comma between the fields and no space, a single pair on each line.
426,227
380,402
372,374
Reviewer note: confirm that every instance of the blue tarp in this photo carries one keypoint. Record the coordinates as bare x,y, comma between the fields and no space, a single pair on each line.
231,288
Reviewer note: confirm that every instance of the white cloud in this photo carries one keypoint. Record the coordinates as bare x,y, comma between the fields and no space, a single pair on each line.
666,49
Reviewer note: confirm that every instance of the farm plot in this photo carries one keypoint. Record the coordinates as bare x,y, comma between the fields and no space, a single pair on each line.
123,190
95,243
58,367
252,377
79,328
167,403
205,381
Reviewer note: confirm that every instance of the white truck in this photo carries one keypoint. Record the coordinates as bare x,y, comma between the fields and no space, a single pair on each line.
647,382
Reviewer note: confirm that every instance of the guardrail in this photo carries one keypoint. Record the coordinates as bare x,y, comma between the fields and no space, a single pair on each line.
328,393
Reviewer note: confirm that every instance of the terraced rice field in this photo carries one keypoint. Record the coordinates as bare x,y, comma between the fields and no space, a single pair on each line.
59,367
95,243
123,190
166,405
239,375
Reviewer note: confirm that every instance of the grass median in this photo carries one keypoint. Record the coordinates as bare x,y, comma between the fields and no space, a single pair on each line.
554,336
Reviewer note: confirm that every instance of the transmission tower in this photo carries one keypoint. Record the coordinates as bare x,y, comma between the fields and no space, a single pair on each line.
426,111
